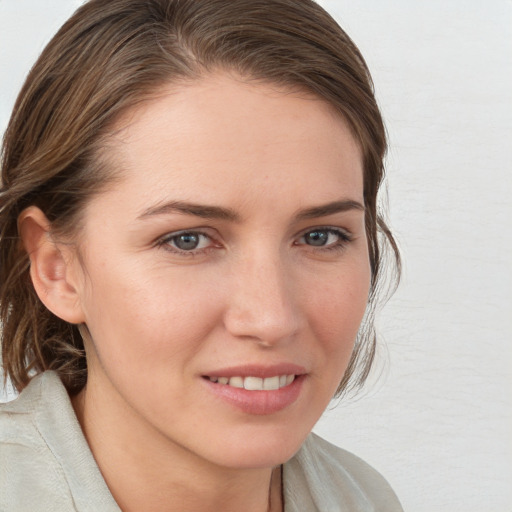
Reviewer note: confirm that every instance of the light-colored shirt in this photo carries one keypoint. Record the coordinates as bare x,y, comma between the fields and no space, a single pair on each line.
46,464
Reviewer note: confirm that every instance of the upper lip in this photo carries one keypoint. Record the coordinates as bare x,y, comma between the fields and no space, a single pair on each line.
254,370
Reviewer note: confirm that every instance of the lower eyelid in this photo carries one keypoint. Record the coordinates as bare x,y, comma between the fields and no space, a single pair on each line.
343,235
168,239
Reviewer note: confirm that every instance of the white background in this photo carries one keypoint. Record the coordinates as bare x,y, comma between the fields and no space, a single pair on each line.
438,421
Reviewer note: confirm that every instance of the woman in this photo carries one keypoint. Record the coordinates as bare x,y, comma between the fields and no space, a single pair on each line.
190,241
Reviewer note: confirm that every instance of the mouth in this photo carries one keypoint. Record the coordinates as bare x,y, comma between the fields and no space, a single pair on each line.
253,383
256,395
257,389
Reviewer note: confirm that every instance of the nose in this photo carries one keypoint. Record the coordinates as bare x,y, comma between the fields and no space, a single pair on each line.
262,303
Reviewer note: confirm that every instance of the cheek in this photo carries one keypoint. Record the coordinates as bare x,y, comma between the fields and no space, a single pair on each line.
337,308
152,317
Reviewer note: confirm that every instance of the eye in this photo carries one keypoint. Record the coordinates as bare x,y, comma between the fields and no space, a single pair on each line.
186,241
327,238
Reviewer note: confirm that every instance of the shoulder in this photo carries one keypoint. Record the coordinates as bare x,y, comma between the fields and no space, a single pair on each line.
322,476
46,462
29,471
18,418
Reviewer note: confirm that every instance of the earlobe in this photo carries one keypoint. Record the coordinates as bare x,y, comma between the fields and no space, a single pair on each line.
50,266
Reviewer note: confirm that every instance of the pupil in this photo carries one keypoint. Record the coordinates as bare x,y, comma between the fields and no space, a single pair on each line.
317,238
187,241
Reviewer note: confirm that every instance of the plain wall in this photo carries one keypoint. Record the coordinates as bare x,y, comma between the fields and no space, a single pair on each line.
436,418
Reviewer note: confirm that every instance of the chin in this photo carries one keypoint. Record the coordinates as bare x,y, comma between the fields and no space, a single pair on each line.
257,447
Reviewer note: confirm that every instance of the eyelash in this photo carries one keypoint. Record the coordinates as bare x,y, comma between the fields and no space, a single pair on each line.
344,238
165,243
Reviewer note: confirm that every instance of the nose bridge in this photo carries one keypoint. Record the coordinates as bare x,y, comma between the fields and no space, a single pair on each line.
262,303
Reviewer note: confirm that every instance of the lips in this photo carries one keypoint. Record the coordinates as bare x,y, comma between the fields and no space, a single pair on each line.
257,389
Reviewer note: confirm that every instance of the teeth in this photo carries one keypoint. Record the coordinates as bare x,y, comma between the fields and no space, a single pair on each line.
271,383
236,382
256,383
253,383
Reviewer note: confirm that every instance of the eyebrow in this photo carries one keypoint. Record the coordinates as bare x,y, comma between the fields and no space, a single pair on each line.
198,210
217,212
330,209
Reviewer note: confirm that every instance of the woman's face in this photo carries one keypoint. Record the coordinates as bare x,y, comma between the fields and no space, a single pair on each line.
230,257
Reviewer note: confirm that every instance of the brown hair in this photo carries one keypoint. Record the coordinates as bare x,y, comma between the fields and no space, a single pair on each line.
111,55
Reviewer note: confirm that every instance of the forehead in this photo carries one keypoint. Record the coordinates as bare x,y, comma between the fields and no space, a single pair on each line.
228,137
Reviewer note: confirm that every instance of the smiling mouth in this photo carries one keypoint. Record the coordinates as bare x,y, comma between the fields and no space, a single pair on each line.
255,383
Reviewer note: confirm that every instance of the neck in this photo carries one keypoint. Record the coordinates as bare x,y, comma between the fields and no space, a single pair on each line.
144,470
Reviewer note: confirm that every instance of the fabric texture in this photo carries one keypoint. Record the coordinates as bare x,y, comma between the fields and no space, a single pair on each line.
46,464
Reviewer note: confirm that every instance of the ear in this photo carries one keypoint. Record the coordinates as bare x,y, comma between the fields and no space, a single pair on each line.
53,268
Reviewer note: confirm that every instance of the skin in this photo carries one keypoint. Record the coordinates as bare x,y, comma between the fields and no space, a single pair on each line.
254,292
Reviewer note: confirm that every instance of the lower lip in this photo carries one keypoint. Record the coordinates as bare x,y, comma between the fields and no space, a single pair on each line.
258,402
